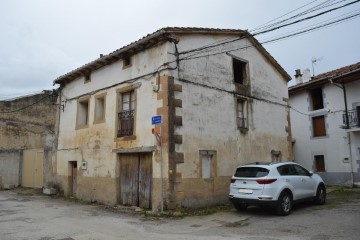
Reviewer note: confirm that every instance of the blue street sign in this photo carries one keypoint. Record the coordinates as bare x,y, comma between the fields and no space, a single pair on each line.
156,120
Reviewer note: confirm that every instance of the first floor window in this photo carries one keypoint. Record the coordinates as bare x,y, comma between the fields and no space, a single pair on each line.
241,113
82,119
320,163
319,126
126,114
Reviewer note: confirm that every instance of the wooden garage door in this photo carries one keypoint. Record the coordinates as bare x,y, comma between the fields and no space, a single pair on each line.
33,168
136,179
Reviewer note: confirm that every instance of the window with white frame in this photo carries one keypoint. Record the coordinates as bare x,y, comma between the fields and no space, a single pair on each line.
241,114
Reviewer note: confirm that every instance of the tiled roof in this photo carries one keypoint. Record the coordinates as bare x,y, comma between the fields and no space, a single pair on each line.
337,72
156,37
340,73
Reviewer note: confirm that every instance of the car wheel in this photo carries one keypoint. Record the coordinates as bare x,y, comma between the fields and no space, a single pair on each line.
284,204
320,195
241,206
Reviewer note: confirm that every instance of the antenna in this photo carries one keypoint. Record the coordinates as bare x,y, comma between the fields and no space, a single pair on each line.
314,60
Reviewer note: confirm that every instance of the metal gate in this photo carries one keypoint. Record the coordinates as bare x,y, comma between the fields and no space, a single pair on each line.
136,179
32,172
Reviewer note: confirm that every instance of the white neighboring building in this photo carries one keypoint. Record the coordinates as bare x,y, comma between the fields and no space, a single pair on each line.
326,139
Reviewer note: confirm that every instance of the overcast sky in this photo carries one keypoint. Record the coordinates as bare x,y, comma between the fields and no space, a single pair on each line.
43,39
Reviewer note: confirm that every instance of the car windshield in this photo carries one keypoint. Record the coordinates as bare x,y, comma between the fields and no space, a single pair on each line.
251,172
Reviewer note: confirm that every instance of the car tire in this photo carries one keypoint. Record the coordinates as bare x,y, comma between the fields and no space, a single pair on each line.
284,204
320,198
241,206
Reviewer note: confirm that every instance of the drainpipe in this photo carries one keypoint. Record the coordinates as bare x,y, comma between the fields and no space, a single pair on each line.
350,158
347,125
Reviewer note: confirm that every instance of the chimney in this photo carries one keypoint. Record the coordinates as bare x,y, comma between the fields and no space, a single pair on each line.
298,76
306,75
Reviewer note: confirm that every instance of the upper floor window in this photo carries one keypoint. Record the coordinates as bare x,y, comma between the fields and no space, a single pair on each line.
317,99
240,71
318,124
126,114
126,62
82,117
99,112
241,114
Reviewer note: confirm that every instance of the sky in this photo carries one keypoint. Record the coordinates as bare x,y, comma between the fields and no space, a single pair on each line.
44,39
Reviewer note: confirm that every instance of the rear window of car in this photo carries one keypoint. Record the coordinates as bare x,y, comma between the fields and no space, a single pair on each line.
251,172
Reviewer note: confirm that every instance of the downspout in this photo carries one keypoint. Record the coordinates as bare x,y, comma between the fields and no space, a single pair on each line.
348,133
347,126
350,158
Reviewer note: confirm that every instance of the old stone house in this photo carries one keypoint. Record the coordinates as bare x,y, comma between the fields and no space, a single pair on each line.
223,100
27,134
326,125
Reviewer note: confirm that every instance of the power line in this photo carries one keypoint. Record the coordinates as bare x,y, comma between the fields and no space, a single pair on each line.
304,19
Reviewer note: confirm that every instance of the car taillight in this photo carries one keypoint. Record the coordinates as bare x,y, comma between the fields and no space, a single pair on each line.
266,181
232,180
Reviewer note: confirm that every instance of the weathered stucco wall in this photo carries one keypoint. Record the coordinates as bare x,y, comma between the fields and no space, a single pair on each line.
198,101
27,123
209,122
97,143
10,167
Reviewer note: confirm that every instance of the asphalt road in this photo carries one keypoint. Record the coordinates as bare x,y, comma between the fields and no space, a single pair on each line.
40,217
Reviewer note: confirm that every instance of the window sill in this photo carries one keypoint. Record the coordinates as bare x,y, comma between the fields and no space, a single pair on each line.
99,121
81,127
126,138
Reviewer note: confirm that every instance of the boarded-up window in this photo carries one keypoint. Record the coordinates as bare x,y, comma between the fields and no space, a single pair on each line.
317,99
82,119
319,126
206,166
99,109
126,114
240,73
320,163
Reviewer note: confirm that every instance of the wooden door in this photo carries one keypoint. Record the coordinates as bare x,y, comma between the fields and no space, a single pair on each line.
32,172
136,179
129,179
73,166
38,171
145,180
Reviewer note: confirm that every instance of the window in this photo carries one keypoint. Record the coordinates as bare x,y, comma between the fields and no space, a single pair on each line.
319,126
126,62
317,99
287,170
87,77
301,171
240,71
82,118
251,172
319,163
126,114
99,109
241,114
207,164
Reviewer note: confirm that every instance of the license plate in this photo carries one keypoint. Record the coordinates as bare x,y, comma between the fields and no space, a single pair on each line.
246,191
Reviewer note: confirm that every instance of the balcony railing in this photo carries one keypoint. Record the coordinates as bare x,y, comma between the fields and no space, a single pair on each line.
353,116
125,123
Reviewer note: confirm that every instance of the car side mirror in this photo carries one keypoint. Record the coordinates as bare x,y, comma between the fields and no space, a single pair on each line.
311,173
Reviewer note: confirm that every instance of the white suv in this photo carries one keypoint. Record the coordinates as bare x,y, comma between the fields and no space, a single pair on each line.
275,184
